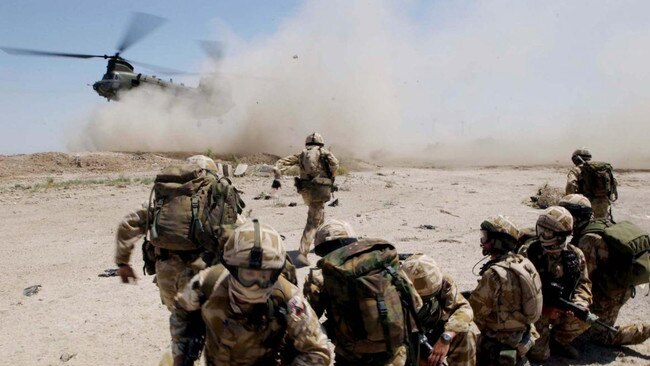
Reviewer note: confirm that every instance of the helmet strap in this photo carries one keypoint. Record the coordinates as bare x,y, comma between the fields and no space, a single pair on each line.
257,251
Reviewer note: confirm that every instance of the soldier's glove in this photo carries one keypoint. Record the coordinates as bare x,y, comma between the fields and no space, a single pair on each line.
126,272
276,184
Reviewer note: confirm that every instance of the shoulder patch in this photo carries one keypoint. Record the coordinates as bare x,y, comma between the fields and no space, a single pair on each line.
296,307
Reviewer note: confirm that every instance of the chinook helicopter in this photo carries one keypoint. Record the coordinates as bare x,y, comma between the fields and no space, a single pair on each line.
120,75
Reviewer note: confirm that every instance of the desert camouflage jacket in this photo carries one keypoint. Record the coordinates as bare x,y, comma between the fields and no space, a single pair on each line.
582,295
230,337
447,309
131,229
290,161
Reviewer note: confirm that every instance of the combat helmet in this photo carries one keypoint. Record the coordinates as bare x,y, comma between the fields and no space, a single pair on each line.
254,254
314,139
330,231
553,226
579,207
203,162
502,231
580,155
425,274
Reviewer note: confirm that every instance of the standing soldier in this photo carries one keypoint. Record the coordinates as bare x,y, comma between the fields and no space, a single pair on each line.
253,315
318,167
594,180
607,271
563,271
175,225
445,314
508,298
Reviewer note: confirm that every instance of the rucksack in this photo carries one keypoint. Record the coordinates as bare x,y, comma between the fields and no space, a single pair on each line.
597,180
629,254
530,286
367,296
189,206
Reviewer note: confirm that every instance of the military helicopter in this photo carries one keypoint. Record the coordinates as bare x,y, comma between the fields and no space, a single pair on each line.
120,75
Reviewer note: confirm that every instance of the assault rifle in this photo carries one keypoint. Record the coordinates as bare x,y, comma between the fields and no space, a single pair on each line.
196,335
555,299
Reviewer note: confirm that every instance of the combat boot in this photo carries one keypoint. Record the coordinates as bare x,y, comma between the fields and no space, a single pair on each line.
302,261
564,350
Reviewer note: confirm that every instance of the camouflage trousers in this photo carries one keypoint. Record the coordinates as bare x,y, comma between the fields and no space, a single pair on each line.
172,274
600,206
315,217
562,330
607,306
397,358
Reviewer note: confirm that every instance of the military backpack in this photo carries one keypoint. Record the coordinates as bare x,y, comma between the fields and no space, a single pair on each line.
517,314
369,299
597,180
629,254
189,205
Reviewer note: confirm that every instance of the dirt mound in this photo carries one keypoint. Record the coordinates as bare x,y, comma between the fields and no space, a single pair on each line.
61,163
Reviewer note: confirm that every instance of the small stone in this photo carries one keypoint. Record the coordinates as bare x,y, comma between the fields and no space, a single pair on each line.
65,357
293,204
31,290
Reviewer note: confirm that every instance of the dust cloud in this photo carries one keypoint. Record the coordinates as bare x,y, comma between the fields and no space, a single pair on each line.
500,82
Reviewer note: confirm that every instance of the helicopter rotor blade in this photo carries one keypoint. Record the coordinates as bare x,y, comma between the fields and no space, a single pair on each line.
159,69
28,52
141,25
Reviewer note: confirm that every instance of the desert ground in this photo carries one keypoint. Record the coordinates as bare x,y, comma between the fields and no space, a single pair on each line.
59,212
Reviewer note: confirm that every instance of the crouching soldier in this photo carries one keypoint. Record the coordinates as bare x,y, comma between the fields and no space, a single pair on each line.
563,272
369,301
253,315
508,298
445,314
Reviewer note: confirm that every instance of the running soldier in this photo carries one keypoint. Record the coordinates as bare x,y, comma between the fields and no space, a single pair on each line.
254,316
594,180
445,314
609,294
170,254
508,298
318,168
563,272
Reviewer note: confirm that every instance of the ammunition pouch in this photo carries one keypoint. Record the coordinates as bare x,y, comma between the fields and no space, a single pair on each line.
149,258
497,353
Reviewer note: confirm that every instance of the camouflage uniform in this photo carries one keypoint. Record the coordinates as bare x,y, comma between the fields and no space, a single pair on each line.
494,302
606,305
600,205
173,270
253,315
564,329
313,195
444,309
231,339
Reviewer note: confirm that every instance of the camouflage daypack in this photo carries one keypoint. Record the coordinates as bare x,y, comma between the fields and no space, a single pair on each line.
189,206
597,180
528,308
629,254
366,313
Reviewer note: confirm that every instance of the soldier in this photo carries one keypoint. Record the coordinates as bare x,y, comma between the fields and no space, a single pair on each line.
254,316
594,180
318,167
173,268
606,301
370,330
445,314
507,300
563,272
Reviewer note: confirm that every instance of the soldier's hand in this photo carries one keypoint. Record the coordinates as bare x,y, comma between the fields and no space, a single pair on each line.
552,313
276,184
126,273
438,354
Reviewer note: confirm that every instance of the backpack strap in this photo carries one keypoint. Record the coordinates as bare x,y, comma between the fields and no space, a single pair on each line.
324,162
195,222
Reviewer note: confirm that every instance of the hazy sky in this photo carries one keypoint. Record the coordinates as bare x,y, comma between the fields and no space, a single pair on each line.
481,81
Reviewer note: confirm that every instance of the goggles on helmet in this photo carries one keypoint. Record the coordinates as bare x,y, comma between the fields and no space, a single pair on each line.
485,236
264,278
